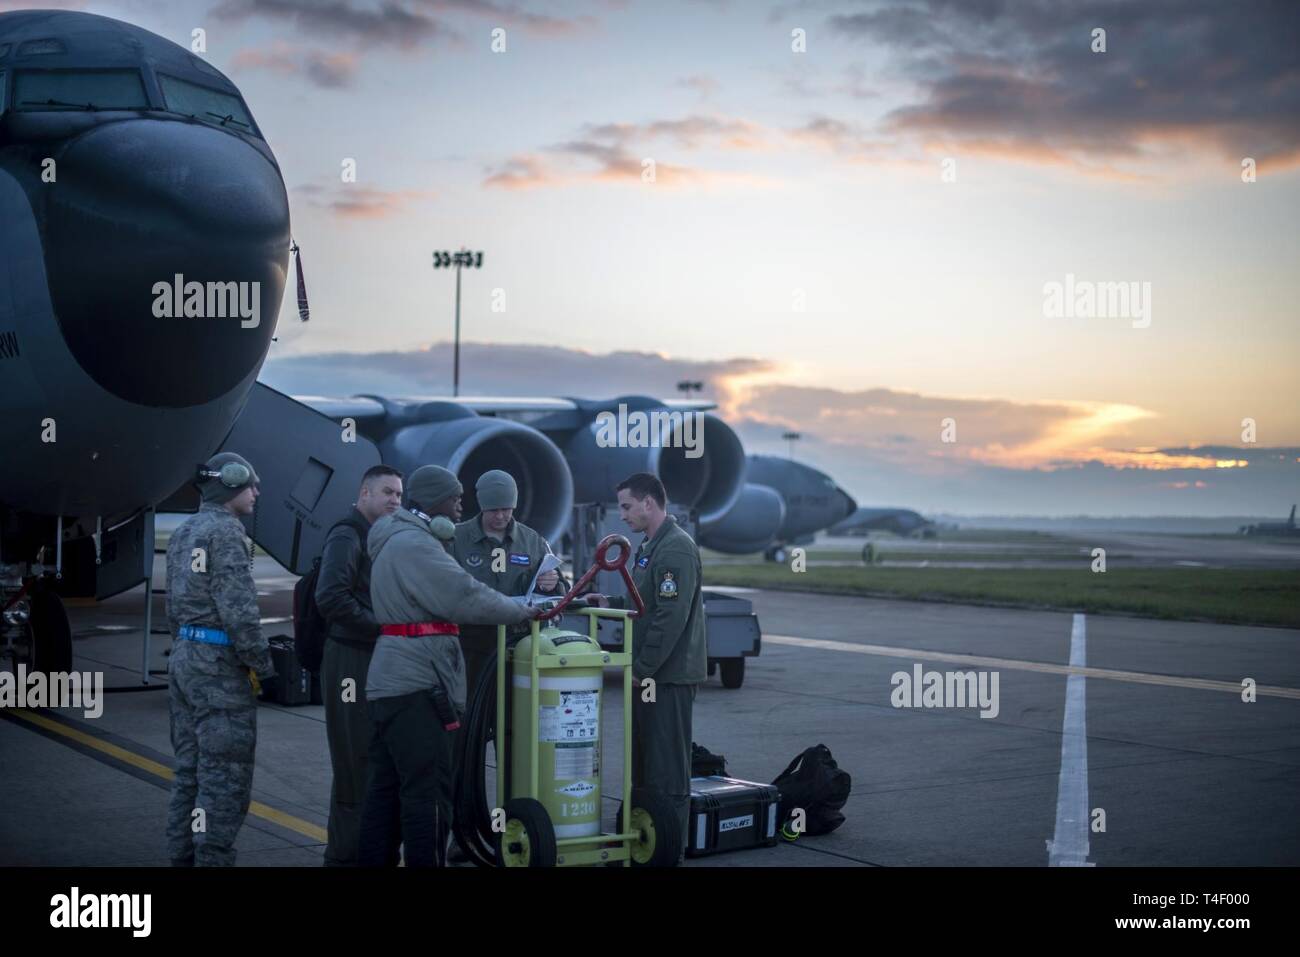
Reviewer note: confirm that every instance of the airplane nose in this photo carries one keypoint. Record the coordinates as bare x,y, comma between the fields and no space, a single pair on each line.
847,503
138,213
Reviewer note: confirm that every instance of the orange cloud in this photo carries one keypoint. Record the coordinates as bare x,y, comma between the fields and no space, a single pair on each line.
329,70
622,153
928,433
350,201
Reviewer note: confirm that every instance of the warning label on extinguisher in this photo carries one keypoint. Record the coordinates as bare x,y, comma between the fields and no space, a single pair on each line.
575,718
575,761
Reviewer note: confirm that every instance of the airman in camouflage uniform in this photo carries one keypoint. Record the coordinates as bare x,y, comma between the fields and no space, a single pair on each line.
217,650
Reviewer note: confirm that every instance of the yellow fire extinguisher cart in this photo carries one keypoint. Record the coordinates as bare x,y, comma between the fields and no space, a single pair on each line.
552,816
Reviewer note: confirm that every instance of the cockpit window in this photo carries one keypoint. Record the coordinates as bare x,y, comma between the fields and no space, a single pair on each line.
79,90
206,104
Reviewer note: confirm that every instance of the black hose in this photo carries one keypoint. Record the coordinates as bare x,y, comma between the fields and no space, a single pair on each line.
472,820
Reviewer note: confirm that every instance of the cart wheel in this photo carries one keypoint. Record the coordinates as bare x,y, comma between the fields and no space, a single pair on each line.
655,818
733,672
713,666
51,634
529,837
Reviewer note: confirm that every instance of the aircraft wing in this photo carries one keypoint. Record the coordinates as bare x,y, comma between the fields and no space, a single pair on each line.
309,475
363,407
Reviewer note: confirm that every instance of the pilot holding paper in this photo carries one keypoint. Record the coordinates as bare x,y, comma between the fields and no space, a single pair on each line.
503,554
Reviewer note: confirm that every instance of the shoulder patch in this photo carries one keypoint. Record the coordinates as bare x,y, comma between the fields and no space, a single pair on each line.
668,586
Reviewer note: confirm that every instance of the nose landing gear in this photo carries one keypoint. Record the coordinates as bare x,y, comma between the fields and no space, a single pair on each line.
35,629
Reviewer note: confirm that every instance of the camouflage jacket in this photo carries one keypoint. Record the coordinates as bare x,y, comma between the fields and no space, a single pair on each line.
210,583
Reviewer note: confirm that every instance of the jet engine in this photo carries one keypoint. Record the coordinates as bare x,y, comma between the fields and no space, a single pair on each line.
750,525
696,455
450,435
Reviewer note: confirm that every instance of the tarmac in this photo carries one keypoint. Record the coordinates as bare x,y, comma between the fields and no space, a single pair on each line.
1073,549
1116,741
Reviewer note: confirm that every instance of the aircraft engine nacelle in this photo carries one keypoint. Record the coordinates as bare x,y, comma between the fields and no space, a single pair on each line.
696,455
812,499
470,444
750,525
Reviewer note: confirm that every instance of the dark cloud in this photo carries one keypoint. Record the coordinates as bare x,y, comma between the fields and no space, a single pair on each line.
851,140
329,71
1221,77
501,369
690,131
618,151
506,14
384,24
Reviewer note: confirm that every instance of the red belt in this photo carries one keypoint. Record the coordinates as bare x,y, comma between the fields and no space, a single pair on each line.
419,628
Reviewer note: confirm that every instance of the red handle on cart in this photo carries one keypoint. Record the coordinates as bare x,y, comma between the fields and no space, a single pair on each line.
603,563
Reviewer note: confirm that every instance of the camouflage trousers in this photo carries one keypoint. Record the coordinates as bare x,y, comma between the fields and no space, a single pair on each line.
214,734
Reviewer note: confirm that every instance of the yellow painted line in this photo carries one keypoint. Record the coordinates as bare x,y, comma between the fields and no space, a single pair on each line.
1011,664
256,808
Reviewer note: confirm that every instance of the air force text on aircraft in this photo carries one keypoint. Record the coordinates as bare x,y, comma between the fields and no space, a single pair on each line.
211,300
659,428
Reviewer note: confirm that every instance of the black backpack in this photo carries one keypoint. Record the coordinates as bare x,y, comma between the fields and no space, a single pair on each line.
309,626
704,763
815,783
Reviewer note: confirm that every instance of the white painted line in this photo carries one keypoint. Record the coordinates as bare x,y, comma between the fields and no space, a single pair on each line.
1042,667
1069,845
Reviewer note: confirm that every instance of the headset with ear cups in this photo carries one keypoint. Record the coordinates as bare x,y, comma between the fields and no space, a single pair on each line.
232,474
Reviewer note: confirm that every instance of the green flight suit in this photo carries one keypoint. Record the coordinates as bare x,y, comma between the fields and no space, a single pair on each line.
670,646
506,566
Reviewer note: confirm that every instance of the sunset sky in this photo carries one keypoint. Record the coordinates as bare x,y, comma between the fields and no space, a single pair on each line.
799,248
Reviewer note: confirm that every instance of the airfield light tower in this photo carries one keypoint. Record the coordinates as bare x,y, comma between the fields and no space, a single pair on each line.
792,438
445,260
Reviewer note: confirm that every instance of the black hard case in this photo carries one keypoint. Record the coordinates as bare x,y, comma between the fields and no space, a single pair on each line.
728,814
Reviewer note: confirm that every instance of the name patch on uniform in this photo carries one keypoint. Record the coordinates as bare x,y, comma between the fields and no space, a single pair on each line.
643,561
474,560
668,587
519,559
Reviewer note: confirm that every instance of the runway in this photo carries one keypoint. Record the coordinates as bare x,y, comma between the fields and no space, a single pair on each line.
1157,738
